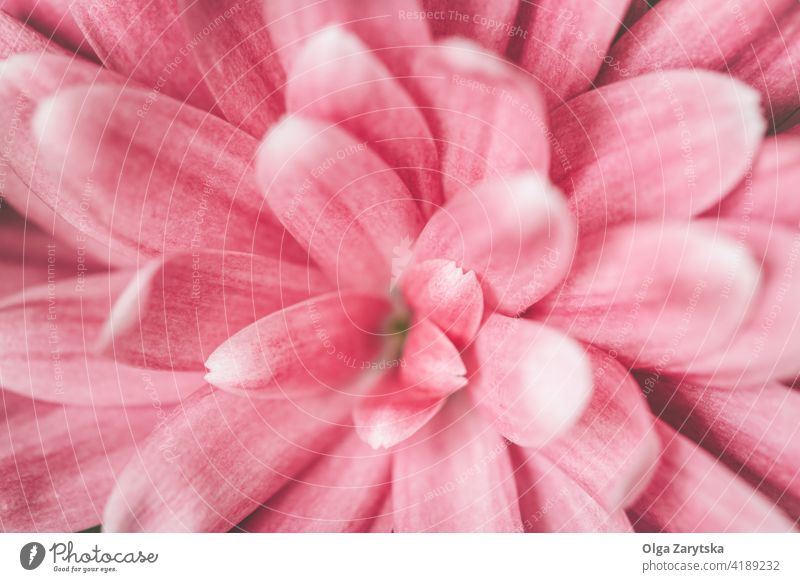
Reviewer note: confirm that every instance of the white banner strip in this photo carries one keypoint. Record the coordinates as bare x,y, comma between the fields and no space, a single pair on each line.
406,558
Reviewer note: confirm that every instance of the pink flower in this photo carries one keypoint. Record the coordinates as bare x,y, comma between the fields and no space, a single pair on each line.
350,266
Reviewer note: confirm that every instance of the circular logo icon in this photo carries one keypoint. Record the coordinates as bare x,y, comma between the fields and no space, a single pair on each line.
31,555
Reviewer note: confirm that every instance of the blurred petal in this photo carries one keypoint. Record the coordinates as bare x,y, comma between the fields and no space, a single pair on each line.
515,233
152,177
665,145
455,476
338,199
691,492
338,80
490,23
216,459
532,380
565,41
147,43
656,295
236,60
177,310
754,431
48,335
488,118
322,343
691,34
58,463
341,492
550,501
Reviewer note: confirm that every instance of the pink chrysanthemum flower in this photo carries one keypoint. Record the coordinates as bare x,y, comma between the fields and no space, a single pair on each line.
400,266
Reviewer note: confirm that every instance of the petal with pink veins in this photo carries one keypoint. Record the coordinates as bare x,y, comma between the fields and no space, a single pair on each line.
550,501
656,294
177,310
455,476
146,43
59,463
489,23
51,18
754,431
343,491
666,145
217,458
388,27
151,179
692,492
336,79
773,67
441,291
47,338
237,61
532,380
317,345
564,43
338,199
690,34
432,365
515,233
769,192
16,37
393,412
488,119
613,448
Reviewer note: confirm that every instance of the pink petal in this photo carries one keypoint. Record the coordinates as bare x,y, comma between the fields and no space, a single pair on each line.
177,310
342,492
324,342
638,8
456,476
441,291
160,177
768,193
237,61
767,343
690,34
488,119
51,18
754,431
385,26
216,459
47,337
33,188
515,233
665,145
58,464
551,501
393,413
654,294
691,492
338,199
489,23
773,67
16,37
25,252
532,380
146,43
613,448
431,363
565,42
336,79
